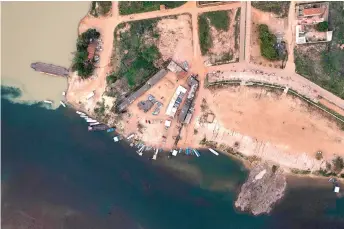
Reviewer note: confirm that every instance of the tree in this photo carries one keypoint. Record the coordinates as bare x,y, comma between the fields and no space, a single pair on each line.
322,26
267,43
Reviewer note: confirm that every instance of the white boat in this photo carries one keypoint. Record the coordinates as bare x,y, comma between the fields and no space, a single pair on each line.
91,120
130,136
84,116
94,123
139,152
115,139
63,93
48,101
155,154
213,151
174,152
80,113
63,104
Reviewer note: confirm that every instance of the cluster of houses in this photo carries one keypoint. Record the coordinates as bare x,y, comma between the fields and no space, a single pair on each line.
308,16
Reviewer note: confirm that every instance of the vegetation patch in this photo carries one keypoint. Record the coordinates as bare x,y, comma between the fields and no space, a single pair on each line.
268,42
205,39
237,28
84,66
322,26
137,52
131,7
324,66
218,19
99,8
279,8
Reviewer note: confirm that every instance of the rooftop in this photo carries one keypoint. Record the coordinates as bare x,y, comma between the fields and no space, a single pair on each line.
313,11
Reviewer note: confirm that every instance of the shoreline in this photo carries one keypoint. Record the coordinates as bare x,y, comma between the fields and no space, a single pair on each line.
78,103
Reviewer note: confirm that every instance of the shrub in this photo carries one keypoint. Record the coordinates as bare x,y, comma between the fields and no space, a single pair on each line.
322,26
204,35
338,164
319,155
130,7
267,43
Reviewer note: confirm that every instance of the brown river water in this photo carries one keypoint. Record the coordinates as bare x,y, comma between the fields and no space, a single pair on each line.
38,31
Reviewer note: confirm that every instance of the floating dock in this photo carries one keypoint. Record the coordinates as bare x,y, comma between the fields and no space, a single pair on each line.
50,69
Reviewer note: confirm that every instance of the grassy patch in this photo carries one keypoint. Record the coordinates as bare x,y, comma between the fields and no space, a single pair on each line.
267,43
131,7
136,56
219,20
205,39
300,171
100,8
279,8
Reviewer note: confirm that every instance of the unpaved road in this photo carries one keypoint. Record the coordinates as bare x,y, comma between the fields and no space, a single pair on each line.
107,25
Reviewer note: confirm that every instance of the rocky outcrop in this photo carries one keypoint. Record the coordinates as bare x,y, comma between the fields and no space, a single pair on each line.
264,187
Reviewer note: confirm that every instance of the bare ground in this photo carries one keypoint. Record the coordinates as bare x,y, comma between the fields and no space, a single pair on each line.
272,126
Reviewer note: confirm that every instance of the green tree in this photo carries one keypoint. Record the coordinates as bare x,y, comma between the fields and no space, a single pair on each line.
322,26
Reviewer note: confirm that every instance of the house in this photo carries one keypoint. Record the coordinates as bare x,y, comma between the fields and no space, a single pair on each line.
91,50
310,12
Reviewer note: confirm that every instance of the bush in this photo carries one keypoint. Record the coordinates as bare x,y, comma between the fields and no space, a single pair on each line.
319,156
322,26
280,8
267,43
103,8
131,7
338,164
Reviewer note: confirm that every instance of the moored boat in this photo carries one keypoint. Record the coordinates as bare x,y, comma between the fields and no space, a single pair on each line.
80,113
110,130
196,152
155,154
63,104
94,123
98,127
174,152
48,101
213,151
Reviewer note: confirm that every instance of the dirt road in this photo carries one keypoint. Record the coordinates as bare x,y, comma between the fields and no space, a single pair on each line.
107,25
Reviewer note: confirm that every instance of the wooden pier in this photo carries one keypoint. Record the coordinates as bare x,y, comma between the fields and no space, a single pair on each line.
50,69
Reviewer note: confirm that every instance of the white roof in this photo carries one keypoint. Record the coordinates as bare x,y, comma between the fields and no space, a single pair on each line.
168,123
336,189
174,153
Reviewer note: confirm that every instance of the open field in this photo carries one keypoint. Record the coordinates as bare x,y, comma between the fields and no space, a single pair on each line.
323,63
219,36
266,123
277,26
143,47
132,7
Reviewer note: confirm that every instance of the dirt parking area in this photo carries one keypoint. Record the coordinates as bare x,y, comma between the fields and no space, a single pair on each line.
276,26
153,126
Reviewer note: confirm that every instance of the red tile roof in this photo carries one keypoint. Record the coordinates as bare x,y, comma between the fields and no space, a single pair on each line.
313,11
91,49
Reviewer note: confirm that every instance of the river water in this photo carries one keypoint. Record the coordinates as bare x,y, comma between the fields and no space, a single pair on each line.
56,174
38,31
